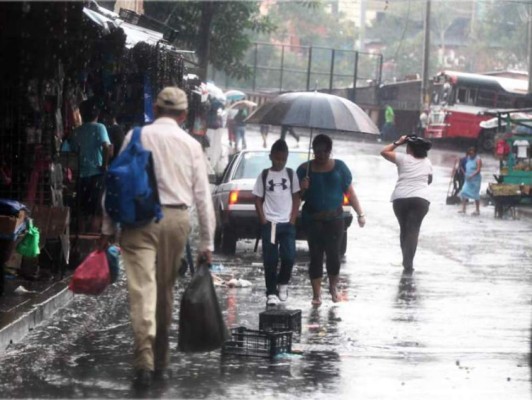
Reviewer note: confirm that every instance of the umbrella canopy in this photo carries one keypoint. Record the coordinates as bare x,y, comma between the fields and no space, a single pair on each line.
314,110
234,95
215,92
242,104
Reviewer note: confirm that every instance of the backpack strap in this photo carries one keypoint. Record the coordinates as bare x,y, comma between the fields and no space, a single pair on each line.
264,175
135,137
290,172
153,183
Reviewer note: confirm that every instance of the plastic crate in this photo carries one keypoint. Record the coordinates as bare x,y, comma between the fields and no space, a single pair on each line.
280,320
248,342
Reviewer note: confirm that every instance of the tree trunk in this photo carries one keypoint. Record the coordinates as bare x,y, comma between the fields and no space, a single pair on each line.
207,13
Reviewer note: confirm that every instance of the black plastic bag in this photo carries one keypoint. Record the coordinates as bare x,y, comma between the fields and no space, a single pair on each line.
201,325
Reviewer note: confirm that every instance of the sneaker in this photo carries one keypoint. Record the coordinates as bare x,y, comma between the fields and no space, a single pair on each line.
273,300
283,292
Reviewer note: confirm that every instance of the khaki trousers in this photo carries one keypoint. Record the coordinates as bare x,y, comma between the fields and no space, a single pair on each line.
152,254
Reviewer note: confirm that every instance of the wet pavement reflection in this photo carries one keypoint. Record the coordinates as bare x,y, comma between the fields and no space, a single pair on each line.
456,328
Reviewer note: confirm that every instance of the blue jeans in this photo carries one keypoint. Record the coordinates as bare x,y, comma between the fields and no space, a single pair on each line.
284,248
240,136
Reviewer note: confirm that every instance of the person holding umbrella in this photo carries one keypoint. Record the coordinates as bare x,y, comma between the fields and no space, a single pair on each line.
324,181
411,194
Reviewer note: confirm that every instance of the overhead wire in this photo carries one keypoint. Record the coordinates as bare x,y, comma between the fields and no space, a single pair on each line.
403,34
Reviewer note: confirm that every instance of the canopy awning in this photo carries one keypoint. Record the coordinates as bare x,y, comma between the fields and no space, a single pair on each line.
134,33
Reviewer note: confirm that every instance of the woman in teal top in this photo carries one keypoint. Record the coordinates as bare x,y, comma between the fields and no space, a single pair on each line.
324,181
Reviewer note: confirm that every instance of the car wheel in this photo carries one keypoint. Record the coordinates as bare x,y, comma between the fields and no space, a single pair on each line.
486,141
228,242
343,245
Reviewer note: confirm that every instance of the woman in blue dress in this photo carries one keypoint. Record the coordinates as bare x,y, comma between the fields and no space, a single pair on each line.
471,188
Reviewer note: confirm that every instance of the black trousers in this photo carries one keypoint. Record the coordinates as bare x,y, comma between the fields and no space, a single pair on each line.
324,238
410,213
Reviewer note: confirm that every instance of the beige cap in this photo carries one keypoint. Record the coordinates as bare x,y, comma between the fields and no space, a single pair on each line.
172,98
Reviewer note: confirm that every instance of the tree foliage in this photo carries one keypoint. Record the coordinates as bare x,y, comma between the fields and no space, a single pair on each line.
219,31
502,35
399,31
480,35
312,22
300,26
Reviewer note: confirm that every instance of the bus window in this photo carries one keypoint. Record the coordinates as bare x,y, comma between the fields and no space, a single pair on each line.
461,95
504,101
485,98
472,96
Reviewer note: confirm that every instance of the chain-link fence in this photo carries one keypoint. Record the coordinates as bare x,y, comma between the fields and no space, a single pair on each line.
280,68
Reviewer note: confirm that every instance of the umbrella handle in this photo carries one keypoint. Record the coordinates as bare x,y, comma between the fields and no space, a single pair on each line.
309,147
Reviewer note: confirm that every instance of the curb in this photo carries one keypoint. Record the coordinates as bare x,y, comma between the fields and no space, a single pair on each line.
18,322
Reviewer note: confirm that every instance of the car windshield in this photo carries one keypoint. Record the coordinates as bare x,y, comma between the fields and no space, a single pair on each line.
252,163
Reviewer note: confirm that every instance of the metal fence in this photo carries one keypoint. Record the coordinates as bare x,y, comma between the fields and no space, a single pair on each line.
280,68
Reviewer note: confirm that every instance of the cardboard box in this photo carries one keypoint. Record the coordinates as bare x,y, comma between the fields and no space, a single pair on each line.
11,226
14,261
51,221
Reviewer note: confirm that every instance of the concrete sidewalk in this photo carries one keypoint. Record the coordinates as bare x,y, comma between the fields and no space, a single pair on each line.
26,302
20,313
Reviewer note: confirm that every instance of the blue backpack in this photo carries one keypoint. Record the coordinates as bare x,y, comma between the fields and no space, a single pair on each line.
132,197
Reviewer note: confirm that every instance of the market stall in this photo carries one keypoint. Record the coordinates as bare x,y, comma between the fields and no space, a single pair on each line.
513,148
62,53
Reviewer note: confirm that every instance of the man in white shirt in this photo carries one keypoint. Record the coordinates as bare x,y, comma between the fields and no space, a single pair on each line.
150,252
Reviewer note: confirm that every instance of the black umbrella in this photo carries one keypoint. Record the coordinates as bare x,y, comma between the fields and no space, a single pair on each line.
314,110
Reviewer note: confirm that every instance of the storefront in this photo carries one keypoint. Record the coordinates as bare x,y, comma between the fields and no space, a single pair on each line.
57,54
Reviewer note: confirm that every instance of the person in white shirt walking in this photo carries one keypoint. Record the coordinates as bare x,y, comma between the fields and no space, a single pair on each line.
411,194
277,203
150,252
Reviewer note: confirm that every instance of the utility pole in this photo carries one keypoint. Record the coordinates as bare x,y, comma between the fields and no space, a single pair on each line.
426,55
530,48
362,35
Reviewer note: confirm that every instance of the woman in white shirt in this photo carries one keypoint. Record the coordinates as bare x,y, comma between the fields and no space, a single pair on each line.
411,194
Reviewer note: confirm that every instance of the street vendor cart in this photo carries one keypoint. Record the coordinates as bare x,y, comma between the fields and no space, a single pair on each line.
506,196
514,181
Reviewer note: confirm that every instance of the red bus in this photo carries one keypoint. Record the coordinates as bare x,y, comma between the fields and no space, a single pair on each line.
460,99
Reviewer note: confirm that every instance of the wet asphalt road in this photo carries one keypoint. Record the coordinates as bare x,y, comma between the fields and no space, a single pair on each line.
458,328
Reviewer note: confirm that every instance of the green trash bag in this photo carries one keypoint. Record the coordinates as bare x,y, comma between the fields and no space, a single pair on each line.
29,246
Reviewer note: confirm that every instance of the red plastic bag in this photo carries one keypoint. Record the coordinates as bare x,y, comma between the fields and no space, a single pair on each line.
92,275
